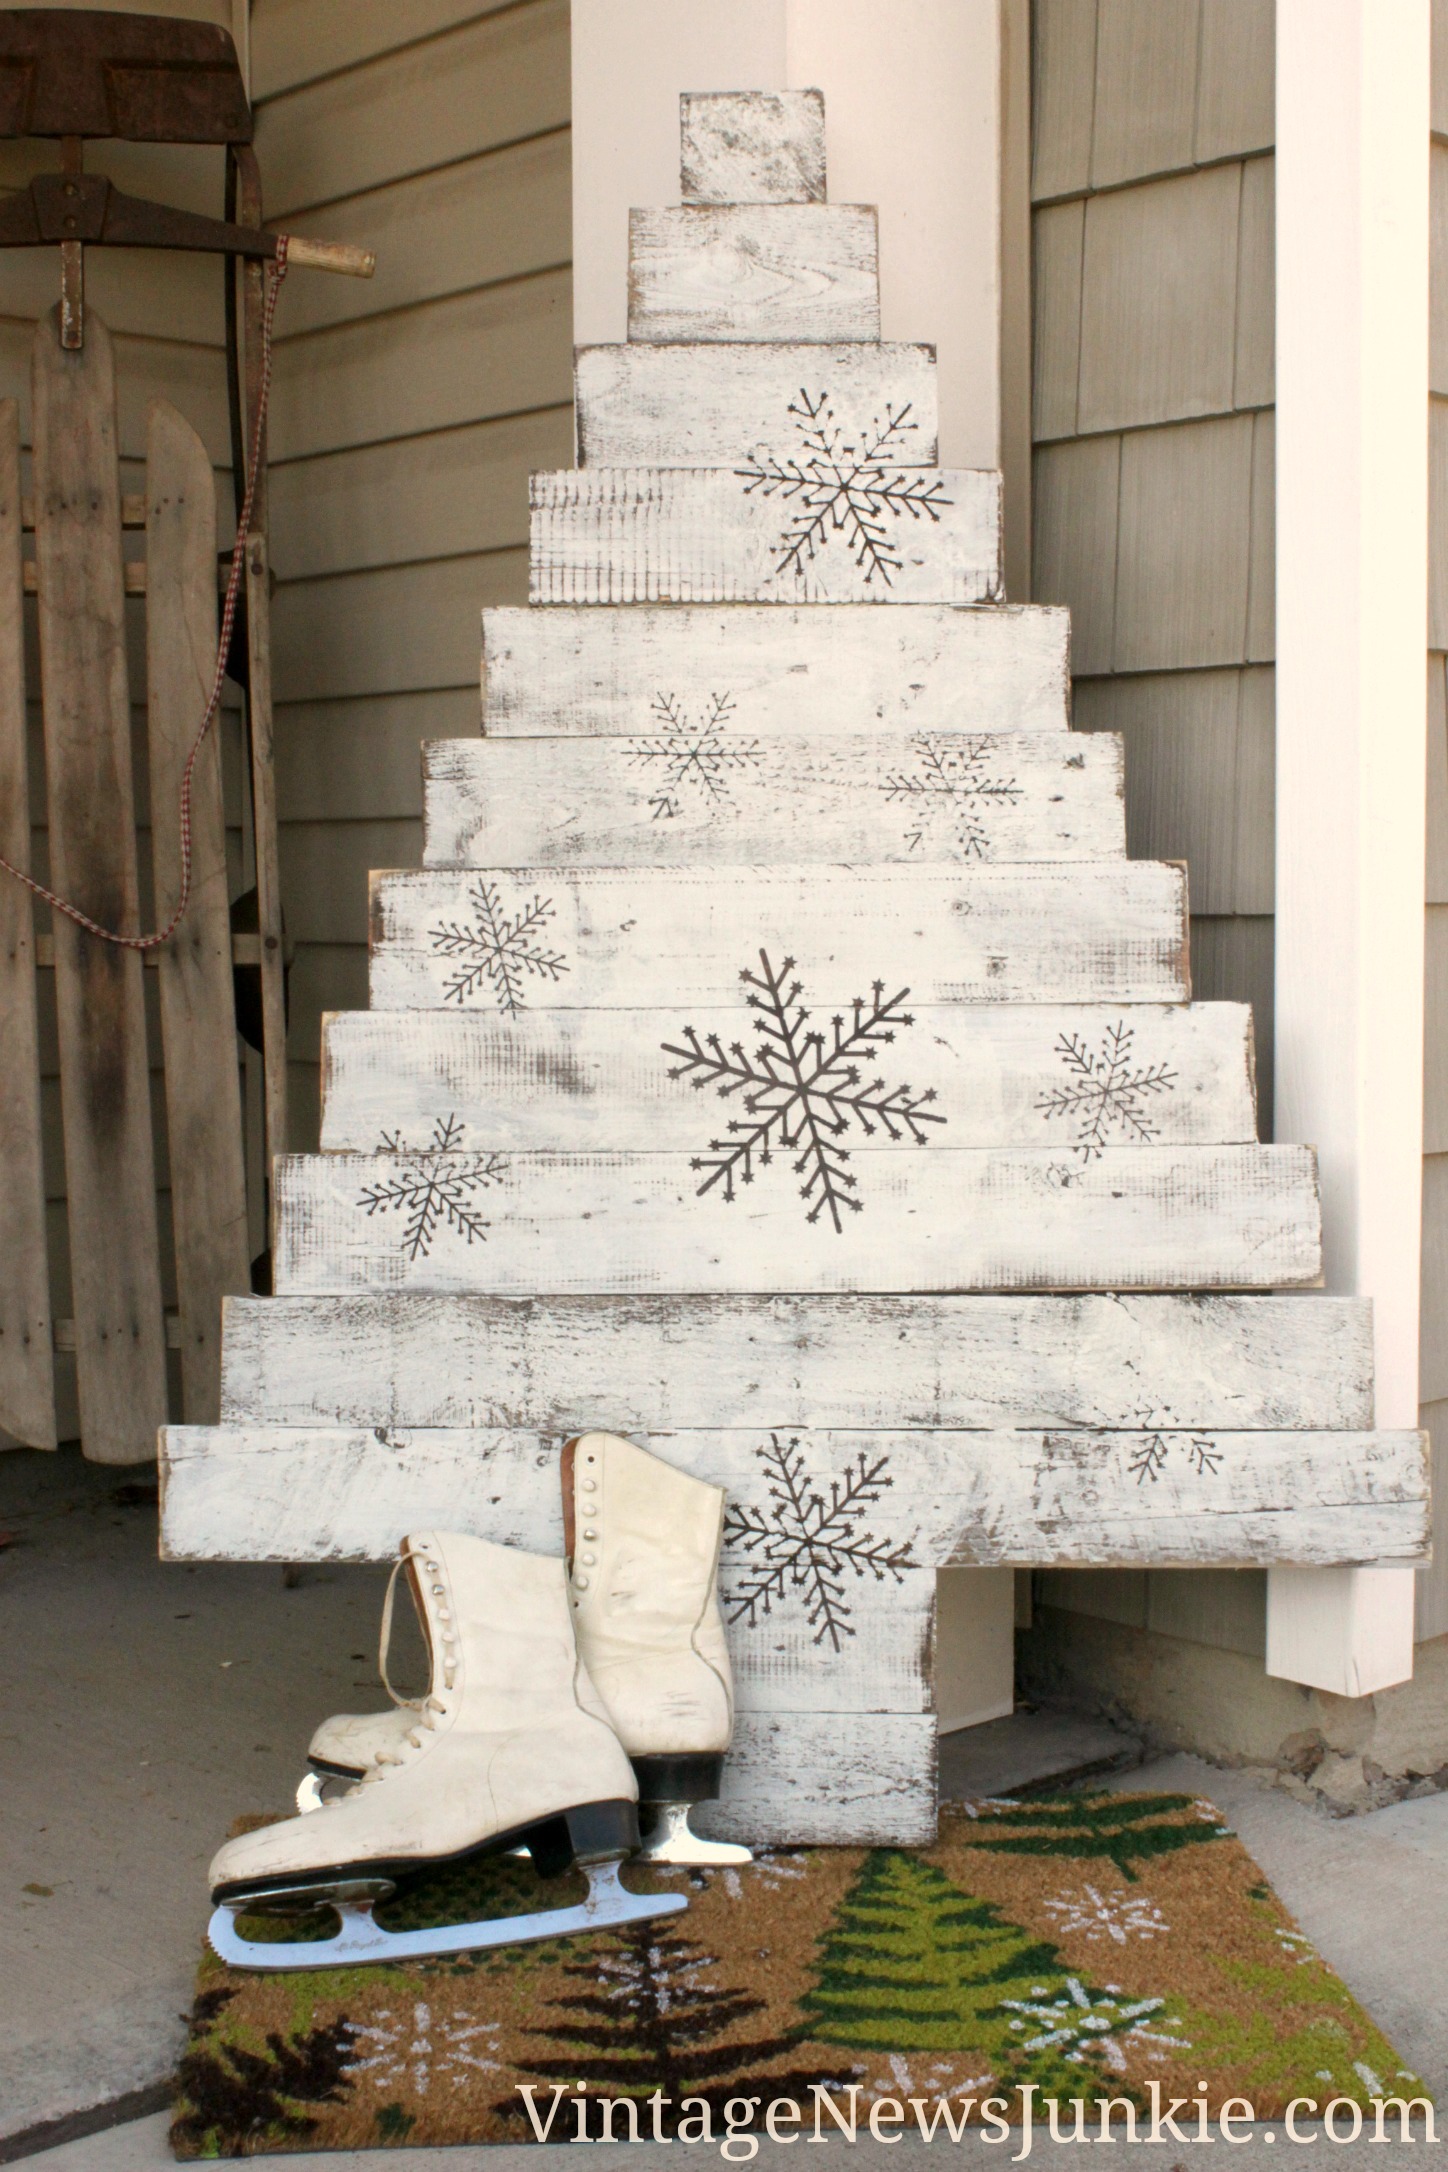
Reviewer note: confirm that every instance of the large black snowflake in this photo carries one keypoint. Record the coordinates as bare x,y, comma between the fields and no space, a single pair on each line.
693,757
801,1090
1104,1092
809,1541
434,1189
951,780
496,948
836,487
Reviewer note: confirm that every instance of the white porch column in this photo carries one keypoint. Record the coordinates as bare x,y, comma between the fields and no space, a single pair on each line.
1352,569
912,120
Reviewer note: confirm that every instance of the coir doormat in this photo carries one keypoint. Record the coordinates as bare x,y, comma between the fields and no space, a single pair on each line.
1092,1945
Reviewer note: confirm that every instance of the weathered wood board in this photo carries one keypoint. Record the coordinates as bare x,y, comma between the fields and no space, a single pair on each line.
709,406
887,1218
520,938
653,1364
1080,1077
765,532
820,668
804,1778
925,1500
697,788
27,1369
752,147
777,272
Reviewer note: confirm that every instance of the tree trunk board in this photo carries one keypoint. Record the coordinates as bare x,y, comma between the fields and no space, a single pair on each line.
782,1781
105,1089
714,535
203,1094
698,789
27,1368
908,1218
509,940
1007,1075
1220,1363
752,147
772,272
819,669
711,407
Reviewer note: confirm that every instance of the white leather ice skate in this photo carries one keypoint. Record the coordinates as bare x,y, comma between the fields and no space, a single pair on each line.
512,1745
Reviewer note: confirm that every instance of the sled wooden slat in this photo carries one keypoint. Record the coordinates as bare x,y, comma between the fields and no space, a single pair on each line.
516,939
931,1218
820,668
27,1371
647,1364
203,1095
782,1781
698,788
1003,1075
712,406
752,147
712,535
105,1089
775,272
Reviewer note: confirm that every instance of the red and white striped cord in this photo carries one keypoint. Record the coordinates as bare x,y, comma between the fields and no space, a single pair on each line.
276,271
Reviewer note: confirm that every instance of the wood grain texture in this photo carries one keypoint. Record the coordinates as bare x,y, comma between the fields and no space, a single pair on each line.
710,535
754,272
1076,488
699,787
822,668
110,1168
1111,932
1028,1075
27,1376
1057,234
1182,585
928,1218
782,1781
712,406
752,147
198,1025
1063,86
1146,86
1221,1363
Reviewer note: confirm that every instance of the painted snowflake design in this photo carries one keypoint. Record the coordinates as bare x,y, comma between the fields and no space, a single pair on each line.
1294,1946
834,486
497,949
433,1188
1085,2026
951,780
801,1091
414,2050
693,757
809,1541
1094,1915
937,2079
1104,1092
1148,1457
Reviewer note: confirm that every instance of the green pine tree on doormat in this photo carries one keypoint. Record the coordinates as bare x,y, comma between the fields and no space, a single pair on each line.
1121,1829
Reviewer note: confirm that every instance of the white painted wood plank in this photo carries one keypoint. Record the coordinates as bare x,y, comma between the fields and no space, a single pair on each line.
752,147
1007,1075
822,668
754,272
782,1781
1228,1363
697,788
927,1500
769,531
909,1218
530,938
713,406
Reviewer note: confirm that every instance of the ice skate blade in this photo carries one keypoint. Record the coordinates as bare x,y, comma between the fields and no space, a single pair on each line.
673,1841
360,1939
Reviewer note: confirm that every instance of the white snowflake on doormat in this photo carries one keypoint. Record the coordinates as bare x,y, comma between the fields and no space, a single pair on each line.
1081,2023
853,487
938,2079
417,2048
1094,1915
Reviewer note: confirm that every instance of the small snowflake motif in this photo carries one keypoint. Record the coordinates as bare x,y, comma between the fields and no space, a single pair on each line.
1148,1457
802,1091
951,781
693,758
1294,1947
1085,2025
1094,1915
1104,1092
834,487
432,1189
497,949
937,2079
808,1541
414,2051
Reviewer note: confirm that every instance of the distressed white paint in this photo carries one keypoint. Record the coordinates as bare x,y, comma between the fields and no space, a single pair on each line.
752,147
783,1785
753,272
600,1078
818,669
700,786
1352,252
711,407
1111,932
930,1218
712,535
